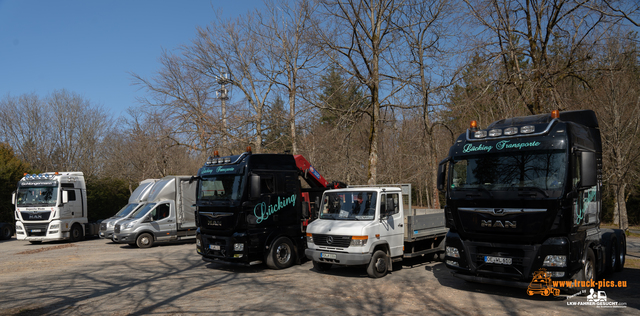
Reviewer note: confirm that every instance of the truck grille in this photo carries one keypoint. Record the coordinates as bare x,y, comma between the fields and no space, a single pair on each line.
116,229
36,229
332,240
35,216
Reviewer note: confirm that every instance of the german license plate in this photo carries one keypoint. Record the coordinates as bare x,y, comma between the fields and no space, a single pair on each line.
327,255
214,247
35,230
498,260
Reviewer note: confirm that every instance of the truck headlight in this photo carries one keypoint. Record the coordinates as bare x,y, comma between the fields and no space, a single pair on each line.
54,226
18,228
111,224
452,252
198,242
238,247
309,238
555,261
129,225
358,241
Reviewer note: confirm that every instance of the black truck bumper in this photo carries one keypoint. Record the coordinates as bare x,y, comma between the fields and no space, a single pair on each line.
504,264
236,249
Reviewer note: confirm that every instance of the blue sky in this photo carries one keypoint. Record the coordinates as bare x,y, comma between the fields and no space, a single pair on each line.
90,46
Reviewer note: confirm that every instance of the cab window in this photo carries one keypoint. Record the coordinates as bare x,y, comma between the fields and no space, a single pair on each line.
160,212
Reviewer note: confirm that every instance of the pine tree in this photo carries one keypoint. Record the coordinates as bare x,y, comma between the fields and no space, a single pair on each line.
340,99
277,138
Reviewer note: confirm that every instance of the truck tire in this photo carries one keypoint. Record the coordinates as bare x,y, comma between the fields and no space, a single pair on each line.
6,232
378,265
76,233
281,255
589,269
144,240
321,266
612,253
622,252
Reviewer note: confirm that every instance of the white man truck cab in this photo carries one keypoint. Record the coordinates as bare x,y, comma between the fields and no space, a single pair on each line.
52,206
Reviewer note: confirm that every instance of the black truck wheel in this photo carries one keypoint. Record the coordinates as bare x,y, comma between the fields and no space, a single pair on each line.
76,233
321,266
589,269
145,240
622,252
612,253
281,255
6,232
378,265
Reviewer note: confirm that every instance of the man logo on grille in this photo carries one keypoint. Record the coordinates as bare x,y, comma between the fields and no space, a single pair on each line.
329,240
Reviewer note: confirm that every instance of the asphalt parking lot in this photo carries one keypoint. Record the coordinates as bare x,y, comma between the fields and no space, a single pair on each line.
97,277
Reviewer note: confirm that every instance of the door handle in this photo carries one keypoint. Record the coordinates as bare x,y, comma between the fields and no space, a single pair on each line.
170,221
399,225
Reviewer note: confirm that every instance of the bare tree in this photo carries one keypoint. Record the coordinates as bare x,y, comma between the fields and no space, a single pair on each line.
62,132
232,47
424,27
357,34
184,96
524,37
283,32
616,100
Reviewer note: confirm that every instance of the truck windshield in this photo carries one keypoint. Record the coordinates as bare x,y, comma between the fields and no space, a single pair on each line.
220,188
127,209
494,172
37,196
356,205
143,211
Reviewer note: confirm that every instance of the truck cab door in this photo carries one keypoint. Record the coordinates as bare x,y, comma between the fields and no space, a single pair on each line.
392,222
73,207
586,205
163,221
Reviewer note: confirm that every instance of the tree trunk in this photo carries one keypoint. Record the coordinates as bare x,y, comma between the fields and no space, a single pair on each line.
292,116
622,222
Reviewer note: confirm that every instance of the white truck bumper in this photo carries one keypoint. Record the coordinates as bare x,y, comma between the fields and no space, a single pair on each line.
341,258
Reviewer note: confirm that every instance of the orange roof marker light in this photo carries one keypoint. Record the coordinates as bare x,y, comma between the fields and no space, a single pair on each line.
555,114
474,125
249,149
215,153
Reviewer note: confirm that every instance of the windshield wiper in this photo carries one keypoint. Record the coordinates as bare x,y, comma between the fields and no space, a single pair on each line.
533,188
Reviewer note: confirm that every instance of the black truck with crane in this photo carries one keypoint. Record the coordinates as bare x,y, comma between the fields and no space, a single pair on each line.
254,208
523,195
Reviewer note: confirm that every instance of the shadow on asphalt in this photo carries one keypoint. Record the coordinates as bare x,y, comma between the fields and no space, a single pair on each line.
629,294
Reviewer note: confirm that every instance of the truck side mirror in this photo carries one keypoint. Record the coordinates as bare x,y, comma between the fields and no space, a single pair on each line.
13,197
255,187
65,197
442,172
588,169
